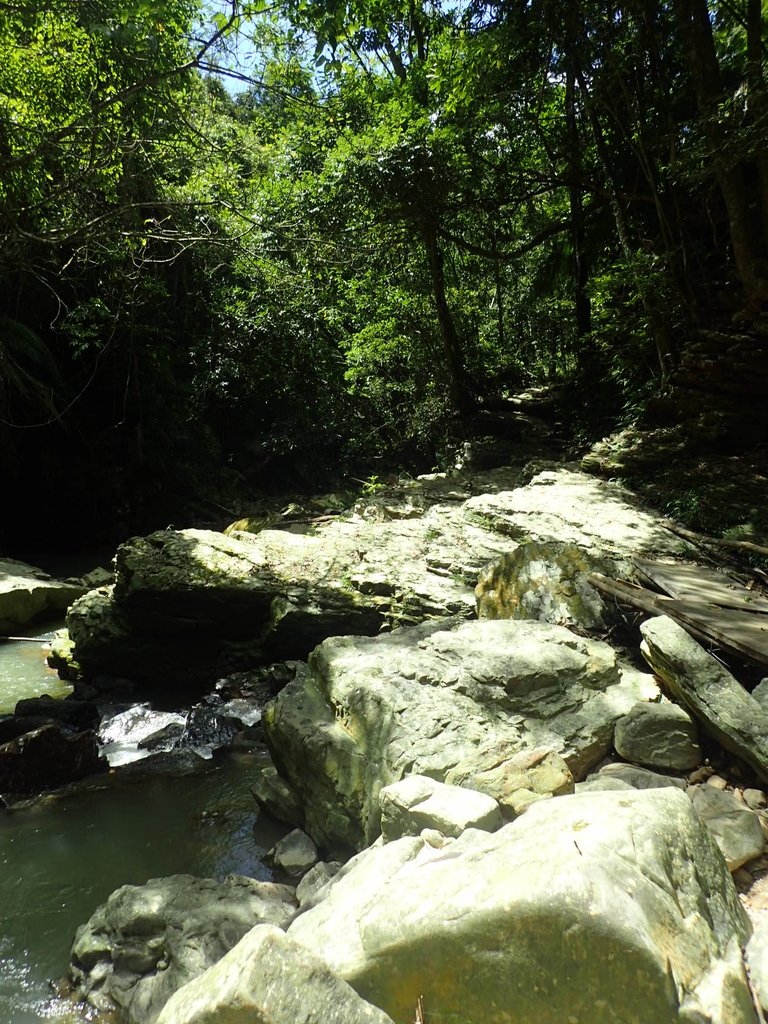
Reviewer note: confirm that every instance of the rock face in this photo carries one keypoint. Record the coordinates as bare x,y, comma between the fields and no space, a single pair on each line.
27,592
47,757
603,907
417,802
147,941
709,691
448,700
658,736
188,606
269,979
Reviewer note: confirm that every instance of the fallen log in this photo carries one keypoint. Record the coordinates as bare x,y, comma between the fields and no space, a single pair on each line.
745,546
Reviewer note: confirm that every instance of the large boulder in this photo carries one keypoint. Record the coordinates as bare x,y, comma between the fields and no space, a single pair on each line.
147,941
269,978
604,907
708,690
449,700
548,581
46,757
27,592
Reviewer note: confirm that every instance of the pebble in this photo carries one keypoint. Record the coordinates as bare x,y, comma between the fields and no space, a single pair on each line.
754,799
716,782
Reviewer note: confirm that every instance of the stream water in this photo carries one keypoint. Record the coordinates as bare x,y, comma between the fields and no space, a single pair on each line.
62,857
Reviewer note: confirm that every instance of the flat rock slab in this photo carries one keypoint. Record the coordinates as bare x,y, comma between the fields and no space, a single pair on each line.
268,978
195,604
27,592
147,941
565,505
700,683
599,908
416,803
447,700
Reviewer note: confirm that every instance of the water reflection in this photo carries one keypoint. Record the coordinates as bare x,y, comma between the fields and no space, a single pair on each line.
24,672
60,861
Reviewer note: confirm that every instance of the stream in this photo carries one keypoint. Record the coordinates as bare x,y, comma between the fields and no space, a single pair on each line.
61,858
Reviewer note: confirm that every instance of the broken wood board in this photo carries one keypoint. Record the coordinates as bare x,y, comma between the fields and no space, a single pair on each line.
701,584
741,632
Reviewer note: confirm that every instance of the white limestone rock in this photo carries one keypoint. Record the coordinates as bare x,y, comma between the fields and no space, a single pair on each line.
417,802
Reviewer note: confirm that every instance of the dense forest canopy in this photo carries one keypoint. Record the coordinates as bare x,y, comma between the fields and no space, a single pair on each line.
260,244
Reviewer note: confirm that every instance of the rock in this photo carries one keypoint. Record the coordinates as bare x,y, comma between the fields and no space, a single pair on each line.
434,698
277,797
269,979
760,692
547,582
295,853
514,778
147,941
757,960
519,925
699,682
658,736
312,884
638,778
561,504
736,829
416,802
27,592
77,715
46,758
599,783
754,799
193,605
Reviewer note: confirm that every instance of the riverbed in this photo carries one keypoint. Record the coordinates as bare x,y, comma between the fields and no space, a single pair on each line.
62,857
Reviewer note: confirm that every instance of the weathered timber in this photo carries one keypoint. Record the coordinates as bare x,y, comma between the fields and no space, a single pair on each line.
701,584
698,681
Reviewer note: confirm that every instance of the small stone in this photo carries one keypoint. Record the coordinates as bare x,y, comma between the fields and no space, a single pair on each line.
717,782
295,853
754,799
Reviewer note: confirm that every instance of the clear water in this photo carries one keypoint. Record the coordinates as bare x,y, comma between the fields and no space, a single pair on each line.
23,671
60,859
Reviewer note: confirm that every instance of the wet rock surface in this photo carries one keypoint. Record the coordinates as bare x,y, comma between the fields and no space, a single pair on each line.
147,941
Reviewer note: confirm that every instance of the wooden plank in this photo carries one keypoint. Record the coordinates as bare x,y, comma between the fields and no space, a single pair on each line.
701,584
742,632
739,632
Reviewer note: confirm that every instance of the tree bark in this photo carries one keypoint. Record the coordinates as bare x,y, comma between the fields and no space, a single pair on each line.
461,394
699,45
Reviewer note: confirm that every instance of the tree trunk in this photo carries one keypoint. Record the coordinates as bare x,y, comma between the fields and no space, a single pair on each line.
696,34
461,394
583,307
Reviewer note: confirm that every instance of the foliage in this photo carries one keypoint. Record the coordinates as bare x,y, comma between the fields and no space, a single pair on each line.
405,210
